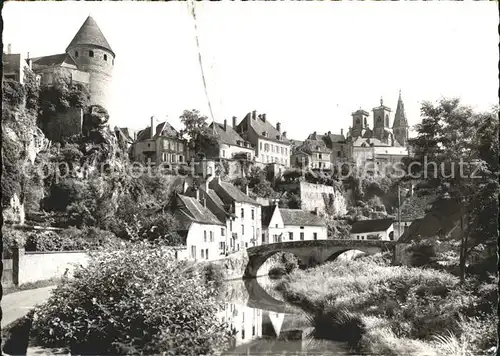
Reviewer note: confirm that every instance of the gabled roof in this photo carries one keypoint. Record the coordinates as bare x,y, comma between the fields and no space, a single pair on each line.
371,225
335,138
192,210
230,193
267,214
163,129
313,145
52,60
90,34
400,116
228,136
261,126
125,132
416,206
297,217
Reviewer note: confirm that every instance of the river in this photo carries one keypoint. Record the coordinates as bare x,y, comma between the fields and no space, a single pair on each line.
265,324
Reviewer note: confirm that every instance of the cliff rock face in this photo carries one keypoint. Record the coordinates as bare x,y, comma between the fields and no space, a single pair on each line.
325,198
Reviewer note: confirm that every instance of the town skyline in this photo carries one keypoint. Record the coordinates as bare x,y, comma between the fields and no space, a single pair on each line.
243,76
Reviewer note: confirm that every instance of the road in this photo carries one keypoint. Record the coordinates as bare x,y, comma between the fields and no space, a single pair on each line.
18,304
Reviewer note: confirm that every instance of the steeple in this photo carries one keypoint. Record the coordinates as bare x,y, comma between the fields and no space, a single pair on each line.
400,116
400,125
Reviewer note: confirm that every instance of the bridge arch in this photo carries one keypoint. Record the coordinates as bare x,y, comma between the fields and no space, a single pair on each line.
337,254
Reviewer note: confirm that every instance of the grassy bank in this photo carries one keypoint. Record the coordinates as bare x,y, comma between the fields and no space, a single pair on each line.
381,309
29,286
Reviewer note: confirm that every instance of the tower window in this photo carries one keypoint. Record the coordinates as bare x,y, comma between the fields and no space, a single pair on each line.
91,53
105,57
76,53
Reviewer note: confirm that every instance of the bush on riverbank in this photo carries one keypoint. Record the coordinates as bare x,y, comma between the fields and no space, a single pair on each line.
139,300
413,303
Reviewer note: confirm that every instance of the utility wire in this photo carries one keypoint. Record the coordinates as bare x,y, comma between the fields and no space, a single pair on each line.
192,11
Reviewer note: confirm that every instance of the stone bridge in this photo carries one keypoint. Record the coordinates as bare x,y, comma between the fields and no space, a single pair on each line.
315,251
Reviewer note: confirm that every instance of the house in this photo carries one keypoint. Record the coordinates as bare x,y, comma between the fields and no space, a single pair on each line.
270,143
335,143
281,225
200,229
229,145
243,214
160,144
414,208
312,154
126,136
381,229
14,65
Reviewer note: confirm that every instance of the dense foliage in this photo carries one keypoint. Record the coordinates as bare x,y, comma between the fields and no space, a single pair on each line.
136,300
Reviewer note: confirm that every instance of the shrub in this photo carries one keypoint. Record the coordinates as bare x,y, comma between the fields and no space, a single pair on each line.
11,238
15,337
13,92
139,300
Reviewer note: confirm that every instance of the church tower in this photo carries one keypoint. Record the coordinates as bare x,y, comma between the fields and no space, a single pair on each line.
400,126
92,53
381,120
359,122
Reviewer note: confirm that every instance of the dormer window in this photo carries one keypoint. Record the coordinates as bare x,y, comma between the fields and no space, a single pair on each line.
76,54
105,57
91,53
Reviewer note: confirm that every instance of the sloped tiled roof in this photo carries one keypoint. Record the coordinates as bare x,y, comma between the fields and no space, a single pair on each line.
299,217
260,126
90,34
126,133
336,138
371,225
415,207
228,136
229,191
313,145
163,129
52,60
196,212
266,214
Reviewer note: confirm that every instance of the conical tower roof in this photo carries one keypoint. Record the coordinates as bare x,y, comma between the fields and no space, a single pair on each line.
400,116
90,34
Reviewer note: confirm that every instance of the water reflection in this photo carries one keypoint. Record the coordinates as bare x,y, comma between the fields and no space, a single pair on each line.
264,323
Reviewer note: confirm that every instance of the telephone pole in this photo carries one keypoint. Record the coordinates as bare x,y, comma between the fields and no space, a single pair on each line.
399,210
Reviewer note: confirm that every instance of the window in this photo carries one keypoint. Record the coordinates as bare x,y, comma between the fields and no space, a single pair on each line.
302,227
242,213
223,153
113,62
290,235
105,57
243,333
282,150
230,225
202,253
173,158
338,154
315,235
206,253
204,236
286,151
253,330
246,244
263,238
76,54
193,251
91,53
302,236
222,231
276,225
222,245
181,158
243,229
253,214
260,146
211,236
320,156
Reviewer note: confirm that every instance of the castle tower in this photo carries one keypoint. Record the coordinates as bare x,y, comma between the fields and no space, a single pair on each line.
92,53
380,120
400,126
358,122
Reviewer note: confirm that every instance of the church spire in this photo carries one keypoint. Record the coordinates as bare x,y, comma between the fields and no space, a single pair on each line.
400,116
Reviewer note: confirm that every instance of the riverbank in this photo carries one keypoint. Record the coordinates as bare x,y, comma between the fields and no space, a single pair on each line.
383,309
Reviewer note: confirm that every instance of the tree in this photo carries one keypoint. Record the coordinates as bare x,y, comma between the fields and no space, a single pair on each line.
456,153
197,129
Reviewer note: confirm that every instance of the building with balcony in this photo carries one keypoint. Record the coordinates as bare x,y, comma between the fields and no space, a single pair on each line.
282,225
271,145
160,144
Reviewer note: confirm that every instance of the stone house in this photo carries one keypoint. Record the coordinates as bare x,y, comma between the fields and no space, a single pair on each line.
380,229
335,143
200,229
229,145
312,154
242,214
160,144
270,143
283,225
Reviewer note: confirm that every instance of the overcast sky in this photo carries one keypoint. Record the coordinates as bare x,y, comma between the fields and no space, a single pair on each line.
307,65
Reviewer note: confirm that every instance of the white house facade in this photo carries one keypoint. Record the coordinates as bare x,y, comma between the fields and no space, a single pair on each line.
381,229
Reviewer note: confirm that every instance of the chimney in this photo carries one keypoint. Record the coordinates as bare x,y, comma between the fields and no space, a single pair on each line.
254,114
234,122
284,134
152,130
341,131
329,132
225,125
28,55
278,126
264,118
9,48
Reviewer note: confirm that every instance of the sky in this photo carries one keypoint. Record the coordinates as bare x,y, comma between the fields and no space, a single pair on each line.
307,65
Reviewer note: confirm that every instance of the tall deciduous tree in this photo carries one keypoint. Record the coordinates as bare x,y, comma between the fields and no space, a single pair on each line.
197,129
456,152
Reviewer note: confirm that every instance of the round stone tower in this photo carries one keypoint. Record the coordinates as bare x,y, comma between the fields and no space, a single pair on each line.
92,54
